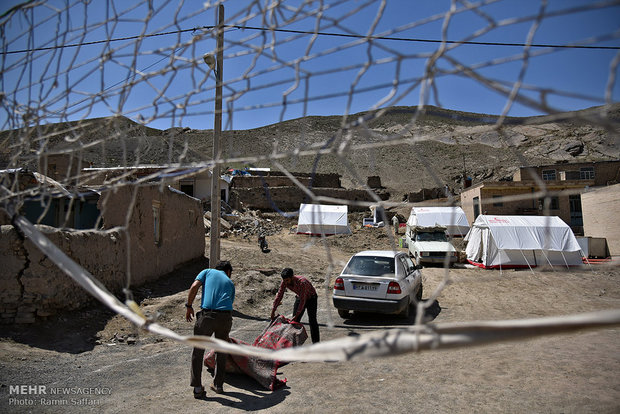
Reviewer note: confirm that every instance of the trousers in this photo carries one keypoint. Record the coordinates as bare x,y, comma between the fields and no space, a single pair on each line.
311,305
209,323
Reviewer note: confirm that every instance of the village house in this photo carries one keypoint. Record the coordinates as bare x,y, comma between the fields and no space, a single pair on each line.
160,226
48,202
601,218
193,181
567,182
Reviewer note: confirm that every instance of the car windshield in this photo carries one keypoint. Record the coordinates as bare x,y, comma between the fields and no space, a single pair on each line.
370,265
438,236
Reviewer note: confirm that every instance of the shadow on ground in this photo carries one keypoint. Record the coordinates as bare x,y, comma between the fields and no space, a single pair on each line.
76,331
71,332
254,398
171,283
363,320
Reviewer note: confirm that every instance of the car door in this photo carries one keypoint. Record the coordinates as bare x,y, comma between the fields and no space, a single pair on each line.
405,274
414,274
409,274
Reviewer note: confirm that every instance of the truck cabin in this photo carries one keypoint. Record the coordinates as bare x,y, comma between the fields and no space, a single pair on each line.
431,236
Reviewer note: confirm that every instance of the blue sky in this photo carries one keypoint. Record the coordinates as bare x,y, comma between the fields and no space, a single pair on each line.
162,81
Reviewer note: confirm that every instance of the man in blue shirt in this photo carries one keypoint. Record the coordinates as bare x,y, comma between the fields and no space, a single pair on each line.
214,317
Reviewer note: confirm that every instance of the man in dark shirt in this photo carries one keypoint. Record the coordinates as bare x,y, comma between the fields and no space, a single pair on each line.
214,317
306,299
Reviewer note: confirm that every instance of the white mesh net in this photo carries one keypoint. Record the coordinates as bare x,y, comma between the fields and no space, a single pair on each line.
139,65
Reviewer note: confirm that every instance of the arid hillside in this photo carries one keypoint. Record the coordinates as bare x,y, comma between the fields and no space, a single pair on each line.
408,149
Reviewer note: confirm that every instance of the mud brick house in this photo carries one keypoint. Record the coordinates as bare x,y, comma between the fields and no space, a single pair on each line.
273,190
567,181
193,181
160,226
46,201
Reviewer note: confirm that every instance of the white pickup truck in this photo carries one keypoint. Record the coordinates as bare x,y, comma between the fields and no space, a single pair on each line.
430,244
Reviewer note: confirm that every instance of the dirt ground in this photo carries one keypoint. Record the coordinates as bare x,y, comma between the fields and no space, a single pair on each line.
108,366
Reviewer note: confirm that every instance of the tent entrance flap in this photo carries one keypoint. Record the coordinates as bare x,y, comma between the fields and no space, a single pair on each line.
323,219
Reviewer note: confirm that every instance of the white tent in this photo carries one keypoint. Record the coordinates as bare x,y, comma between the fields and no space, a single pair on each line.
521,241
453,218
316,219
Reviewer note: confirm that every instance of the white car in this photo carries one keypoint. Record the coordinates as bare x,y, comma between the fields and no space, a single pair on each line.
381,281
430,245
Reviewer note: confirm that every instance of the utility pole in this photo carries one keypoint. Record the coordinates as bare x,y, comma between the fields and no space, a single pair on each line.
214,254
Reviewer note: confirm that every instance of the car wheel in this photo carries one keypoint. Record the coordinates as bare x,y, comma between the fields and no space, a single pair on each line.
406,311
343,313
418,295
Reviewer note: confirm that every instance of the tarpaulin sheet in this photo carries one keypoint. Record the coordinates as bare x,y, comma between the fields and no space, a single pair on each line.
281,333
453,218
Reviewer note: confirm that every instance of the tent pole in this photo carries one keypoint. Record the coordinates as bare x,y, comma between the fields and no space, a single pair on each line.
583,255
549,261
565,261
526,261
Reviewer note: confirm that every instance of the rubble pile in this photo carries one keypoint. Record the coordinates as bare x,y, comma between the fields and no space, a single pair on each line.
247,224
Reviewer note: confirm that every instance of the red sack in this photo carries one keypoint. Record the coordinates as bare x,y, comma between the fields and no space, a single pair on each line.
281,333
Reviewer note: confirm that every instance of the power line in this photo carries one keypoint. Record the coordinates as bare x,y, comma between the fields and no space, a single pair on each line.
96,42
329,34
406,39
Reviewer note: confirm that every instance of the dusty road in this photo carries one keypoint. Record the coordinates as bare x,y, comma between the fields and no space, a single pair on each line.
89,350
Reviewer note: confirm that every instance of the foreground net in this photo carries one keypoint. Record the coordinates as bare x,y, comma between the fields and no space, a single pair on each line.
142,65
365,346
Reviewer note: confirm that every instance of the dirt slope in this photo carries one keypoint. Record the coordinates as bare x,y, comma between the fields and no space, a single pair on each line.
433,151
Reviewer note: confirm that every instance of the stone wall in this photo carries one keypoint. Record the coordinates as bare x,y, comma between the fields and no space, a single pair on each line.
278,179
426,194
31,285
374,182
288,198
257,182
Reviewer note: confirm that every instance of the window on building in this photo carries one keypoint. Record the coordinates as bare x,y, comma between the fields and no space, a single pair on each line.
576,215
476,207
497,201
156,222
569,175
586,173
548,175
187,186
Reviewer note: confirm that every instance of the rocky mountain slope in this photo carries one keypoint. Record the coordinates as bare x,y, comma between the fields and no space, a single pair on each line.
437,149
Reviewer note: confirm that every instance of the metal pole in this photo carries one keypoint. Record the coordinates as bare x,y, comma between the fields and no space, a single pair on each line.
214,254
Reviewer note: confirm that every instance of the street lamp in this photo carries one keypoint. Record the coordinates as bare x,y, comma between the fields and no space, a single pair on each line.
216,64
209,59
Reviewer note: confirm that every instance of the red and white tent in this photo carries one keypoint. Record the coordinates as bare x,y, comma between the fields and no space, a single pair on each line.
521,241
